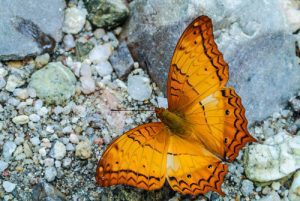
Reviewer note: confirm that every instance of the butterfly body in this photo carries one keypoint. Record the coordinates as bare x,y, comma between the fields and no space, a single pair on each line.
204,125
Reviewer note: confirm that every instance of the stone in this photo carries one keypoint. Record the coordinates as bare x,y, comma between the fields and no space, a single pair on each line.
21,93
41,26
294,192
3,166
69,42
27,150
272,197
58,151
8,186
107,13
247,187
42,60
139,87
87,85
101,53
35,141
50,173
278,157
45,191
34,118
250,46
104,68
2,82
122,61
21,119
83,150
54,83
8,149
13,82
74,20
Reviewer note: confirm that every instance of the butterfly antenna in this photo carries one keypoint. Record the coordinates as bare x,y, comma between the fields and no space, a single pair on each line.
119,110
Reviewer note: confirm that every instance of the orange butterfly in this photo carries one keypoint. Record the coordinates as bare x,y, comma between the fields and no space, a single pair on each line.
204,125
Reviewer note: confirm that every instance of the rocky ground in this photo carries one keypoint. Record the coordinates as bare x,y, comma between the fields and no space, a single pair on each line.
56,115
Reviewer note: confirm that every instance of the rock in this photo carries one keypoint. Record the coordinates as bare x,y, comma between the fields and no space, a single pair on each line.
139,87
41,27
247,187
249,45
8,186
42,60
101,53
21,119
276,158
3,166
54,83
13,82
74,138
58,151
21,93
27,149
2,82
69,42
272,197
292,12
87,85
162,102
83,150
103,68
107,13
122,61
35,141
74,20
34,118
8,149
50,173
45,191
294,192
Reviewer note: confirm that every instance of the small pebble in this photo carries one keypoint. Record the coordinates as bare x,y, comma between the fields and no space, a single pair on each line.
69,42
101,53
34,118
42,60
247,187
8,149
104,68
83,150
67,162
88,85
74,20
139,87
74,138
49,162
58,151
50,173
276,186
35,141
3,166
8,186
21,119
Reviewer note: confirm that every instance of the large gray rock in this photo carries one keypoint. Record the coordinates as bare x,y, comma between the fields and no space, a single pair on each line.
29,27
253,36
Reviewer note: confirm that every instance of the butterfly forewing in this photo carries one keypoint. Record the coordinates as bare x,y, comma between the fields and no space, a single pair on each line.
197,68
137,158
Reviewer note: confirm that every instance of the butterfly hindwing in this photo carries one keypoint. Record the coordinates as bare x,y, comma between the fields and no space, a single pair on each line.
197,67
137,158
219,119
191,169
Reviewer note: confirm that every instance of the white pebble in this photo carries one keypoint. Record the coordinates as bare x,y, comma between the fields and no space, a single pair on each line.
42,151
3,72
162,102
83,150
3,166
139,87
69,42
42,60
43,111
74,20
49,162
57,164
101,53
67,129
49,129
13,82
74,138
35,141
21,93
58,151
21,119
104,68
2,82
8,186
34,118
50,173
87,85
31,92
67,162
38,104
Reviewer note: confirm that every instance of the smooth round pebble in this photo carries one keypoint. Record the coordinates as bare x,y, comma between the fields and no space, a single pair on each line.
88,85
8,149
21,119
74,138
34,118
101,53
42,60
3,166
69,42
247,187
35,141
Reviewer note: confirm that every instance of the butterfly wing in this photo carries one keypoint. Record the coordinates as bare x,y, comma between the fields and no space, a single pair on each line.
219,119
197,67
137,158
191,169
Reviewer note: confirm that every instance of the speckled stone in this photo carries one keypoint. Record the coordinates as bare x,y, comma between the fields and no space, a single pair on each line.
54,83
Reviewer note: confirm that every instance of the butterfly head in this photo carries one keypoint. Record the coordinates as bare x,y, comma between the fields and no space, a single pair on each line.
159,111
